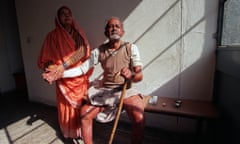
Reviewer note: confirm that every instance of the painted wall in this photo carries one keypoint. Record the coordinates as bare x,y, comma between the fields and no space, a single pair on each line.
175,38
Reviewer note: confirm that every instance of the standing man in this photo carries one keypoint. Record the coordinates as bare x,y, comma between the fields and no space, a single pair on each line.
57,55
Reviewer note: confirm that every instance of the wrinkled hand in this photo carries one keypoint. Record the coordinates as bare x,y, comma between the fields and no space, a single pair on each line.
52,73
126,73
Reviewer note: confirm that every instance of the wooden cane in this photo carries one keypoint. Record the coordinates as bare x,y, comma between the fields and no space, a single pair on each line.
118,112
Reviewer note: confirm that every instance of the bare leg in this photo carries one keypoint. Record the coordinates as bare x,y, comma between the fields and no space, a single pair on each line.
135,109
88,113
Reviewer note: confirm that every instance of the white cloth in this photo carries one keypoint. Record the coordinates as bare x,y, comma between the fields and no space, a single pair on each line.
135,56
77,71
93,60
110,99
104,97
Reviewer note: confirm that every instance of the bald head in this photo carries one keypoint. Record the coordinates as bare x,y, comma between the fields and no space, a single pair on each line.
114,28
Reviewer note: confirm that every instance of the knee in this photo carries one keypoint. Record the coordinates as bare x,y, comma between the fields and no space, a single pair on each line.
85,116
139,118
86,120
88,113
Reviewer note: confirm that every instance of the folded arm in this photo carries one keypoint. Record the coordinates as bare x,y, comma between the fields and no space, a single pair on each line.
52,74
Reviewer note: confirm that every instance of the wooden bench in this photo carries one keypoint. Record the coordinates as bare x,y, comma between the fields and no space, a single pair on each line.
194,109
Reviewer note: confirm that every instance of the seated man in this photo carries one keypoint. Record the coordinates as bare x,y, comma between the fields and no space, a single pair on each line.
115,59
120,62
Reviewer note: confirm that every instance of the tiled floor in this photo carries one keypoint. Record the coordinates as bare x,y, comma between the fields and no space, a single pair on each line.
24,122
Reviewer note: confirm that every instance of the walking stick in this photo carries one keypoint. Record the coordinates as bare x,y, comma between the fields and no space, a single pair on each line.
118,112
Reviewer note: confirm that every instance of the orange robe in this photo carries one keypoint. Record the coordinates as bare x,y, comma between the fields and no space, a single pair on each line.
58,46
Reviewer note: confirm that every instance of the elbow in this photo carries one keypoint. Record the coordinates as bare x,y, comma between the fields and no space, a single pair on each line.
137,78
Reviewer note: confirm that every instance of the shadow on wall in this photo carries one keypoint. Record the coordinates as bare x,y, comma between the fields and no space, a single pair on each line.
97,14
192,56
193,80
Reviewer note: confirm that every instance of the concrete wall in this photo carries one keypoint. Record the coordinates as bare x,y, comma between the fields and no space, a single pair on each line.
175,38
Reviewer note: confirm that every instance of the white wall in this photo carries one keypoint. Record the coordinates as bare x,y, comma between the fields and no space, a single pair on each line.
175,38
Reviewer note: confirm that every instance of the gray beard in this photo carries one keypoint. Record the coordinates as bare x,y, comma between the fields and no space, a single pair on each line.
114,37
